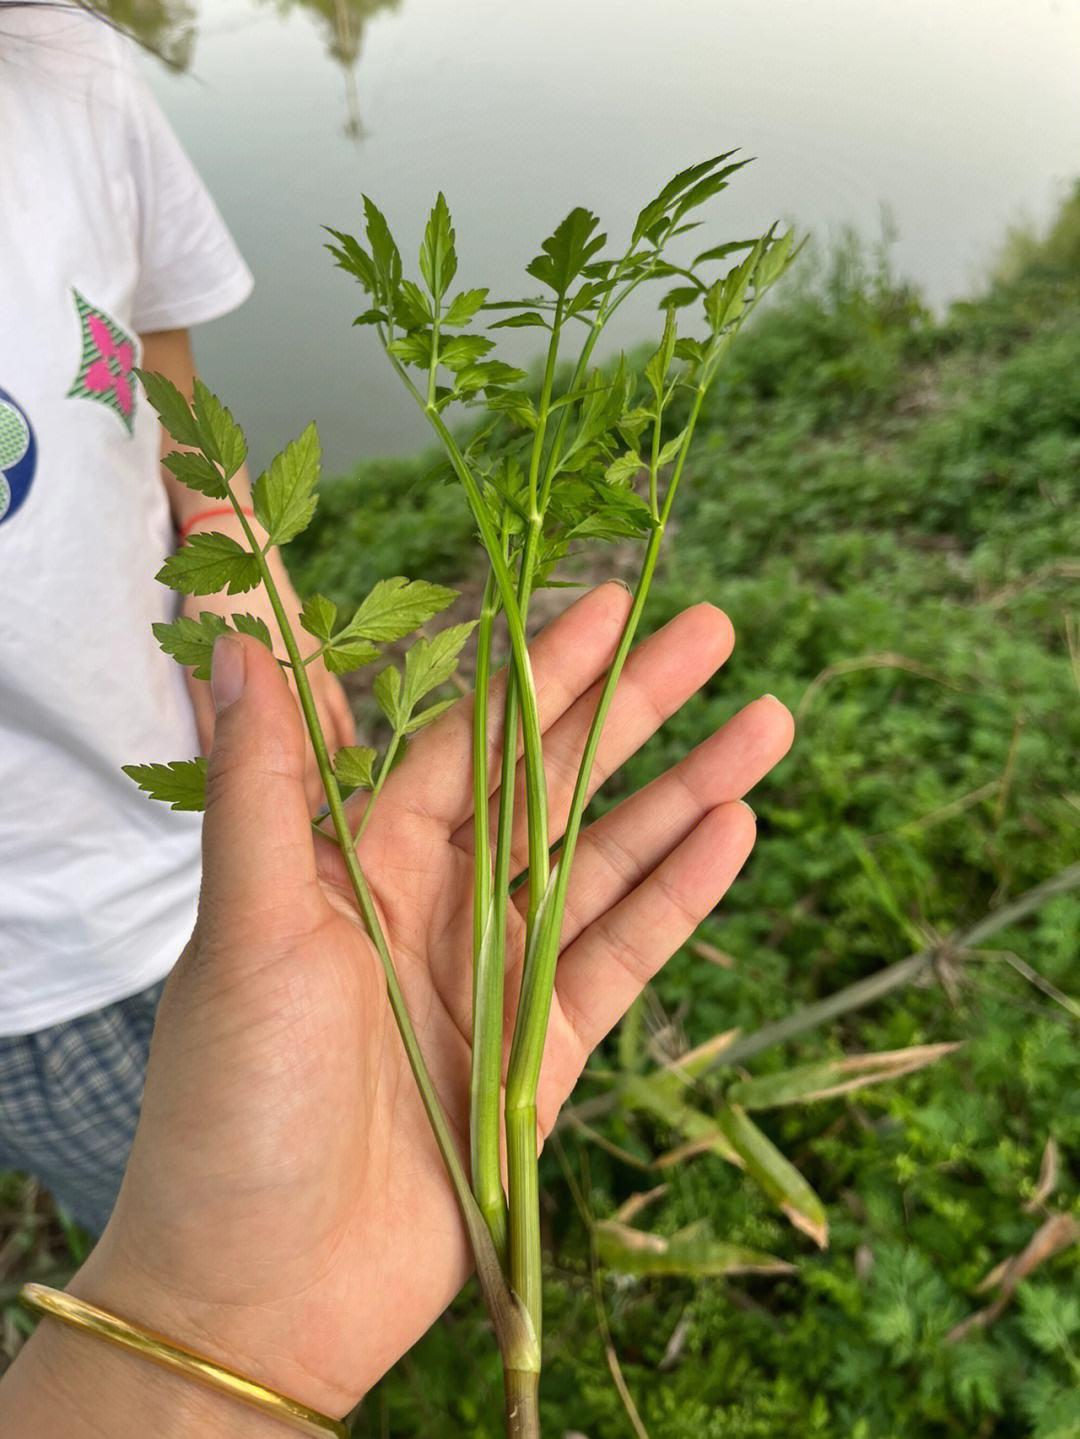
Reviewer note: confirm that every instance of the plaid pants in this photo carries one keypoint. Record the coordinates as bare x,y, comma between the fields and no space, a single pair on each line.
69,1101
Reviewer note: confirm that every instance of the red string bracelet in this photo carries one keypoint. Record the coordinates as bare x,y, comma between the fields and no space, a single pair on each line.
210,514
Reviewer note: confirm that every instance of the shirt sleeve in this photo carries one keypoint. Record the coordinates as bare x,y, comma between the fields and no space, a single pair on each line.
190,269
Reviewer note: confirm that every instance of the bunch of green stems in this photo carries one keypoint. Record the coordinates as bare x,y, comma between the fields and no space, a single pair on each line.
512,1214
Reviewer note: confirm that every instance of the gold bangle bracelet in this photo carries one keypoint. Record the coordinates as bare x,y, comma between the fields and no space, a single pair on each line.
159,1350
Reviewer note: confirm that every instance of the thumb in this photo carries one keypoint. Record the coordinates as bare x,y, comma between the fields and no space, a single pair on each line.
258,852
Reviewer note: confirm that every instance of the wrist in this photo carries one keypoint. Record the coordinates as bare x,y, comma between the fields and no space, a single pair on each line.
220,517
67,1384
258,1342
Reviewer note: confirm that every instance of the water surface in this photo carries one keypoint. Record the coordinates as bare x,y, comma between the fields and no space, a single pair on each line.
961,116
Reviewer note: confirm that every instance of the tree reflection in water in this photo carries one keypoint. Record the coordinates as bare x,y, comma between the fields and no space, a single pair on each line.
342,23
169,29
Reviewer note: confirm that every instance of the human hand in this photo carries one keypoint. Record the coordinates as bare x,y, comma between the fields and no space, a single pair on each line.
285,1208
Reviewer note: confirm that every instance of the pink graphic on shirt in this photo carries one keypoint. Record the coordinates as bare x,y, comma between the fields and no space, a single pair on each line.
106,363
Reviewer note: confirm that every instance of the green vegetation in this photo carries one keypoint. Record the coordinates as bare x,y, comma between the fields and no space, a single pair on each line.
886,505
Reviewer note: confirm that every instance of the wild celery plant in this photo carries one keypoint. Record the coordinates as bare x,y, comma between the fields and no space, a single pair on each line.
591,458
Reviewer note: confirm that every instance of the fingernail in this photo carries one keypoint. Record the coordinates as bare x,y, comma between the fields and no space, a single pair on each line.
753,816
227,672
615,580
768,696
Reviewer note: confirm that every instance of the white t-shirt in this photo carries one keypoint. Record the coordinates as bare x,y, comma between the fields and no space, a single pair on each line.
106,231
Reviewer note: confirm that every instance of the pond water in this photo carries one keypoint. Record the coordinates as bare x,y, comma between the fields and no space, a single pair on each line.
960,117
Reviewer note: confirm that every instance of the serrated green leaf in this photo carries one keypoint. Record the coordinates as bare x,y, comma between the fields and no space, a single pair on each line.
388,696
349,654
181,784
222,439
602,406
413,307
657,208
386,259
191,642
621,514
724,300
414,349
430,663
529,320
397,606
197,472
624,470
284,495
671,449
463,307
208,562
350,256
680,297
372,317
660,363
567,251
425,717
257,628
631,426
588,297
464,350
689,350
438,258
775,259
488,372
172,408
318,616
517,406
705,189
354,766
720,252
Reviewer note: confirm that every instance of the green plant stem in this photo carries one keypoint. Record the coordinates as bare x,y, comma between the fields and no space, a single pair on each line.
538,977
515,1338
535,783
384,770
522,1404
485,1080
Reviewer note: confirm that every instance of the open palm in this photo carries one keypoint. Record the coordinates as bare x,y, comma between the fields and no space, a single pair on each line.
285,1207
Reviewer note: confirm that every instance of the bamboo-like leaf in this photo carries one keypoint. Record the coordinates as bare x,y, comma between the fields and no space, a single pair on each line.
690,1253
662,1095
830,1077
774,1173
